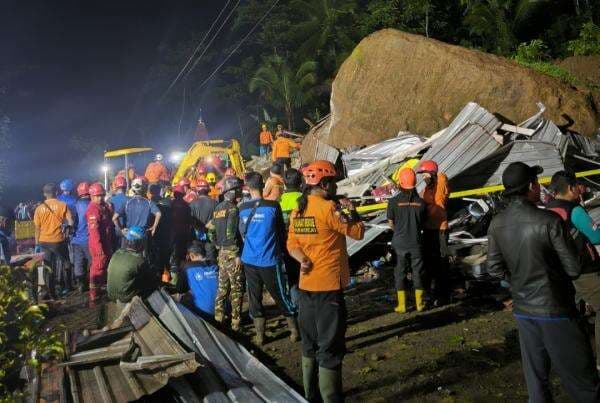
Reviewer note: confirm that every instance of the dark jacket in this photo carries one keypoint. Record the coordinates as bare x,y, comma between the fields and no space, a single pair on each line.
224,232
408,213
202,212
534,248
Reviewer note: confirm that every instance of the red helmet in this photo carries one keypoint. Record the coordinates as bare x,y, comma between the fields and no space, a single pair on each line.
201,184
230,172
428,166
318,170
407,179
96,189
83,189
178,189
184,182
120,182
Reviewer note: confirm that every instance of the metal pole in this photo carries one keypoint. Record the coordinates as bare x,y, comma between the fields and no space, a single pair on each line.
127,171
105,169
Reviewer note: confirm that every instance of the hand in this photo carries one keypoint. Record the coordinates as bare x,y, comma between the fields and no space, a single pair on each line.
305,265
346,203
238,262
152,231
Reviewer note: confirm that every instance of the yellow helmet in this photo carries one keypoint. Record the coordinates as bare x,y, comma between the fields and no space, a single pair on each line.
211,178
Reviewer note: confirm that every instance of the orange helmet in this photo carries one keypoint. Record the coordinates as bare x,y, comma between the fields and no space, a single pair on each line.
317,170
407,179
428,166
201,184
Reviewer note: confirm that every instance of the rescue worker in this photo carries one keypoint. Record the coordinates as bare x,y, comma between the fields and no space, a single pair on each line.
181,220
7,219
262,230
317,240
79,242
265,140
282,147
201,171
567,205
228,173
533,248
66,193
49,218
139,211
223,231
118,200
200,278
406,214
128,272
274,185
202,212
289,199
435,236
101,232
156,171
162,241
211,178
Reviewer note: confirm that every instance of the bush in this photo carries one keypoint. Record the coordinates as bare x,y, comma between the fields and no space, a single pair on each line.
588,42
535,56
22,337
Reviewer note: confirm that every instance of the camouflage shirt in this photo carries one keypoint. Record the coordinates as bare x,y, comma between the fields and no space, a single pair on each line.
223,228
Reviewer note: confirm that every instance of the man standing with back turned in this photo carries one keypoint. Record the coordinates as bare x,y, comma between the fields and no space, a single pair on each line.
533,247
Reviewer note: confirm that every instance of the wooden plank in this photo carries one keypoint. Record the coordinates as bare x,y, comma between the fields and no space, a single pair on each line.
102,385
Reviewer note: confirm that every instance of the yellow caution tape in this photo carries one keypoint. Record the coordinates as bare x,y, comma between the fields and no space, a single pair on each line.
475,192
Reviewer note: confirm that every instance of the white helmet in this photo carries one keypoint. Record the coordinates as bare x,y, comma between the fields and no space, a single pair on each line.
137,185
159,157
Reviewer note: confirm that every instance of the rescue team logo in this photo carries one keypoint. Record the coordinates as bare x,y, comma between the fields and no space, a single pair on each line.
305,225
220,214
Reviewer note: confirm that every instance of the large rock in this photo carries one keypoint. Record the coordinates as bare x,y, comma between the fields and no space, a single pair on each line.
394,81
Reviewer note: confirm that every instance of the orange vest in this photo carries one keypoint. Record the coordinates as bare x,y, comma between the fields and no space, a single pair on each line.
266,138
436,197
282,148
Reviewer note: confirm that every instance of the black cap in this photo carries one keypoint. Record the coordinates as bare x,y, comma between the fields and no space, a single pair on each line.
196,248
518,176
49,188
276,169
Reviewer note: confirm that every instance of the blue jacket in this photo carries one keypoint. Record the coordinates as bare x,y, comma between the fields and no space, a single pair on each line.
263,235
69,200
202,280
81,229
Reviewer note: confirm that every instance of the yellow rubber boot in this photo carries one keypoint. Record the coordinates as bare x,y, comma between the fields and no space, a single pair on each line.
401,308
419,300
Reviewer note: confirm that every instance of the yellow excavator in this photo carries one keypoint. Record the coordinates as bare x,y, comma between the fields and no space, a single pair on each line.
205,151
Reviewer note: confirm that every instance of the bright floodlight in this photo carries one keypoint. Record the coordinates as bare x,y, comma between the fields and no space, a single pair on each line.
176,157
105,168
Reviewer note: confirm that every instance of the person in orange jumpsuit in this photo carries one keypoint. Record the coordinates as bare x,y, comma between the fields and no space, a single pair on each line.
266,139
435,234
101,231
282,148
317,240
156,171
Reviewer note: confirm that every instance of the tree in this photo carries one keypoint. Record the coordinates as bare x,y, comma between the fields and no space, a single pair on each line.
282,87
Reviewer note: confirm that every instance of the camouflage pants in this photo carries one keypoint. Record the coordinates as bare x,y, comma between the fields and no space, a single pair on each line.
231,284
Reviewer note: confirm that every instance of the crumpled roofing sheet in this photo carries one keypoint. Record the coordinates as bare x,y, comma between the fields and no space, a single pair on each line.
373,230
229,372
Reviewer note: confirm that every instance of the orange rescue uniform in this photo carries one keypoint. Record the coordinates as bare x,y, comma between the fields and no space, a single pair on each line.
321,235
266,138
282,148
48,218
436,197
273,188
156,172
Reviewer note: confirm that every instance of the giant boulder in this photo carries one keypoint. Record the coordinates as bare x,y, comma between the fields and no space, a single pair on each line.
394,81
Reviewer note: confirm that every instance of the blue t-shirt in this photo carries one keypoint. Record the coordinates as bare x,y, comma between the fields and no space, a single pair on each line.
139,211
69,200
81,229
203,281
263,236
118,201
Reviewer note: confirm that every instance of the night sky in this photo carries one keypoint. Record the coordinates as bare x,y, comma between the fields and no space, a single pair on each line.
77,68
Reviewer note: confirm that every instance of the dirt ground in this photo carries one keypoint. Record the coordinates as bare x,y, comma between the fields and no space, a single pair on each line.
466,351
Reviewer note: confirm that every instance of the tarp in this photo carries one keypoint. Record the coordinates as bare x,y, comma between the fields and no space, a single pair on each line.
126,151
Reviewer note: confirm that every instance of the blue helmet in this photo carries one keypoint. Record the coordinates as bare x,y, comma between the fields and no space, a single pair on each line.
135,234
67,185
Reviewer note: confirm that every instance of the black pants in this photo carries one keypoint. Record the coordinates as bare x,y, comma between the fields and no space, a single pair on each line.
260,277
436,263
81,260
56,256
322,322
284,162
564,345
407,260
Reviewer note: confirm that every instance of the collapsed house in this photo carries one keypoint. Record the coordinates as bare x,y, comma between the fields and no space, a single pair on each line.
157,343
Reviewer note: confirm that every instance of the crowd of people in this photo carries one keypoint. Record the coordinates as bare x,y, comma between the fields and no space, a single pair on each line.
215,241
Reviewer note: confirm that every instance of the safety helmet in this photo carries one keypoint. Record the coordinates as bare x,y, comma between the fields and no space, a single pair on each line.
158,157
230,172
232,183
178,189
137,185
201,170
317,170
66,185
184,182
211,178
134,233
83,189
428,166
201,184
407,179
96,189
120,182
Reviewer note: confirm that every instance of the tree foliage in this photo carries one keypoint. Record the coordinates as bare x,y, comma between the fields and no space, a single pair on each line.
588,42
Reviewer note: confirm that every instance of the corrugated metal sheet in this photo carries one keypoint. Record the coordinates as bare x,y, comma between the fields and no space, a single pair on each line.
373,230
488,172
326,152
229,372
311,141
588,146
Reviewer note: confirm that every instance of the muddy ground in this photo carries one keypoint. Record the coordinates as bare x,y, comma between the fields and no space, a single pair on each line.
462,352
